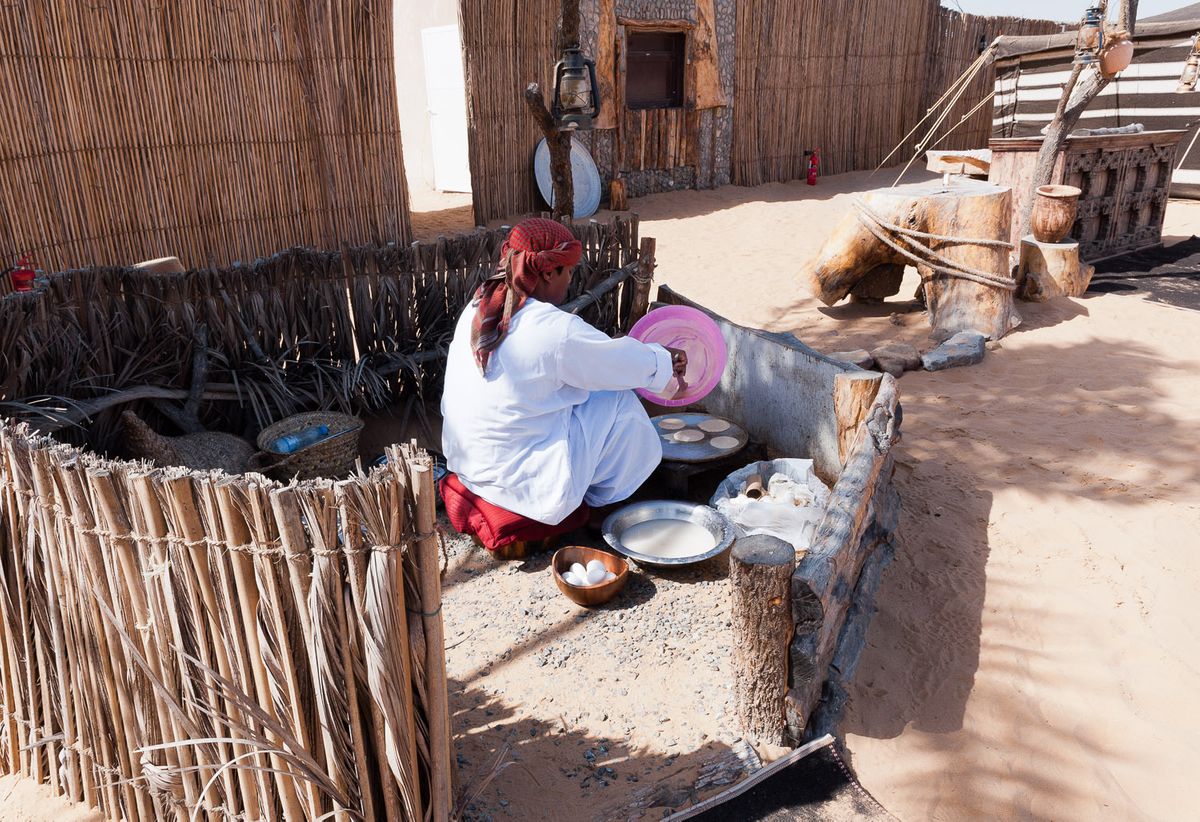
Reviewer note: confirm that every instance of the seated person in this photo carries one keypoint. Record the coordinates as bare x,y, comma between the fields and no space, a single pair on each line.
538,412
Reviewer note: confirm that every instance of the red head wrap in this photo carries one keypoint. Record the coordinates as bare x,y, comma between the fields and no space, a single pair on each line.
535,247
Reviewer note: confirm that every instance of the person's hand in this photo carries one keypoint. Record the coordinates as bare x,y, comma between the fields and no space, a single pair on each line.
679,361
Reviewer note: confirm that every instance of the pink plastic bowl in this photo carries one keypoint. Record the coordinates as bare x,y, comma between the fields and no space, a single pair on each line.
692,331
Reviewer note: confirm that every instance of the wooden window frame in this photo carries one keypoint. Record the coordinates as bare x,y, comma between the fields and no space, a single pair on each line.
684,27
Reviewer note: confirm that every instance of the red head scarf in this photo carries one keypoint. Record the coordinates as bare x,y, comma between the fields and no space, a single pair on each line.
535,247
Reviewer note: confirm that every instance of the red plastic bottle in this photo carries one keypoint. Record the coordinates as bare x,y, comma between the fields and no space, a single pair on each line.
22,275
813,162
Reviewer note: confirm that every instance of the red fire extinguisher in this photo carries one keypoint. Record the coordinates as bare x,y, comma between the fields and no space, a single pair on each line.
813,163
22,276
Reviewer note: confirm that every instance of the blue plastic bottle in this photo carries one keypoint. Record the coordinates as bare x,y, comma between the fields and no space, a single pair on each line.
290,443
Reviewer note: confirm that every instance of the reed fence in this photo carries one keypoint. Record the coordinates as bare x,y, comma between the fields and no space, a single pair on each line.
176,644
507,45
358,330
207,131
955,47
850,78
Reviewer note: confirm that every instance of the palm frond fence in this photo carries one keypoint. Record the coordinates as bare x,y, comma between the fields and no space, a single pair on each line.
181,645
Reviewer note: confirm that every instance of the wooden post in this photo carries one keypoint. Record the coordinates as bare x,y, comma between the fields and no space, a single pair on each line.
643,281
853,394
559,142
618,200
760,574
1078,92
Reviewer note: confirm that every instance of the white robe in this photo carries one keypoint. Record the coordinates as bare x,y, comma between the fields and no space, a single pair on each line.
554,423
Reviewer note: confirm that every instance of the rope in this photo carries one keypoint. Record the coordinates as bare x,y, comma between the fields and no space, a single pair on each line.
875,224
965,80
912,232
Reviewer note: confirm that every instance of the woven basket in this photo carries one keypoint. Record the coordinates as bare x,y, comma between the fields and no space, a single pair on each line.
333,456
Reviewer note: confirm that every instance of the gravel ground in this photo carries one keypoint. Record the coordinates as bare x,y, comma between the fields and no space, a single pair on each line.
617,712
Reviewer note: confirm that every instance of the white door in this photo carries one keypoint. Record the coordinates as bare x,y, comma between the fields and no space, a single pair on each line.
447,94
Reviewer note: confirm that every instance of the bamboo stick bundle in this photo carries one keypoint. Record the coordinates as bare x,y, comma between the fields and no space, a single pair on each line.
131,559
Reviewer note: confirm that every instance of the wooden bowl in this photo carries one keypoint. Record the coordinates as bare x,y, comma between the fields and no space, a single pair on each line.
588,595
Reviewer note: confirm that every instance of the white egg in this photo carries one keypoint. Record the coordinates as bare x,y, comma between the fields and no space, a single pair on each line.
609,576
596,576
593,564
578,569
570,578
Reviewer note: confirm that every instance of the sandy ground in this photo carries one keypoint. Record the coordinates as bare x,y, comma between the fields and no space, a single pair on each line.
1032,653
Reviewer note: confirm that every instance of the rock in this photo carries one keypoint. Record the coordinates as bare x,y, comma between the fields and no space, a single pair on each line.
858,356
895,358
964,348
993,345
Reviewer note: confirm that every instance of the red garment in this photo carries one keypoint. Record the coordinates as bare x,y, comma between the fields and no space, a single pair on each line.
492,525
535,247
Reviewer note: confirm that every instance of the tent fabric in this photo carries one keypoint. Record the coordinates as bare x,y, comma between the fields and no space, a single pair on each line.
1149,29
1028,88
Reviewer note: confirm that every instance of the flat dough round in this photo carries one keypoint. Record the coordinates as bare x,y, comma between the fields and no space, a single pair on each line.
671,424
724,443
714,426
690,435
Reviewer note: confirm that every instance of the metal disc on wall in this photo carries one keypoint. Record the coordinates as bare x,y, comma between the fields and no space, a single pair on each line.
585,176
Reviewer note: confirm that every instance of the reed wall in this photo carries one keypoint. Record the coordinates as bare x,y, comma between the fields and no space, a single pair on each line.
174,643
951,52
357,330
507,44
208,131
851,79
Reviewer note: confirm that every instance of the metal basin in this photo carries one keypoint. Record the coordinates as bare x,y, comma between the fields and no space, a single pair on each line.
620,521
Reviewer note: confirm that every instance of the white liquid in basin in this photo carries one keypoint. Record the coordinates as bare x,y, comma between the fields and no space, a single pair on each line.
668,538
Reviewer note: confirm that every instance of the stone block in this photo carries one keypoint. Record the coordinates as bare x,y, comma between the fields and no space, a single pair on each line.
964,348
895,358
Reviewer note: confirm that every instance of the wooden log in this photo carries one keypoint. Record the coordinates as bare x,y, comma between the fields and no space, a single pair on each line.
1048,270
853,394
965,226
760,572
617,198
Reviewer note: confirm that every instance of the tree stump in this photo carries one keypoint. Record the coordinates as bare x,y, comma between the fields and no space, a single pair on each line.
1048,270
760,574
853,394
966,210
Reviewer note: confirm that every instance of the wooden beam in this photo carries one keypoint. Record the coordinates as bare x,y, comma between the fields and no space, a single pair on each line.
656,25
705,62
606,68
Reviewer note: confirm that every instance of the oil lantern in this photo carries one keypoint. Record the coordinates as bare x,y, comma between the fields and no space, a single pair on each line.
576,98
1191,69
1091,36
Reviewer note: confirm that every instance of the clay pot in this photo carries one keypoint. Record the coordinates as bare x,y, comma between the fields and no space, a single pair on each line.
1116,56
1054,212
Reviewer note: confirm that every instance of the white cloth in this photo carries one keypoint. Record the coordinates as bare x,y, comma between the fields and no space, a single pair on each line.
554,423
